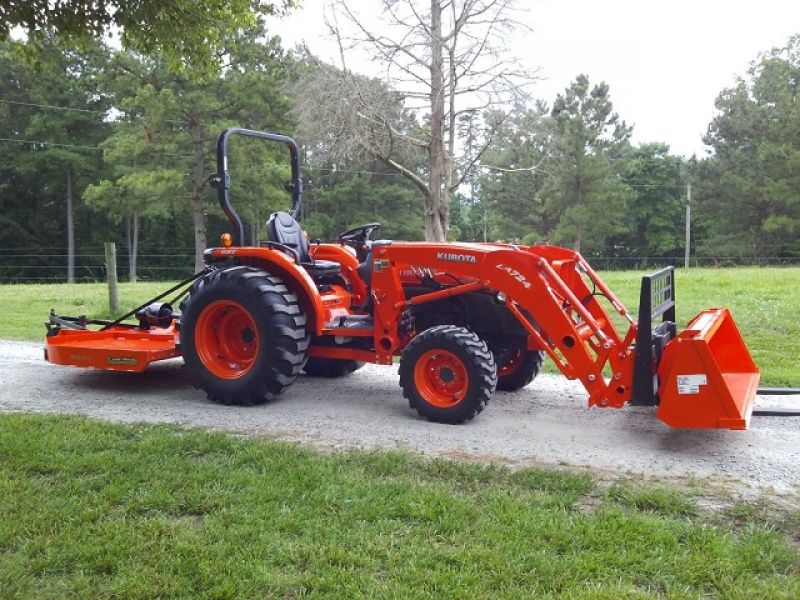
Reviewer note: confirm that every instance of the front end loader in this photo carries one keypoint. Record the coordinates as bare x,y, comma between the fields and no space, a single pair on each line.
464,319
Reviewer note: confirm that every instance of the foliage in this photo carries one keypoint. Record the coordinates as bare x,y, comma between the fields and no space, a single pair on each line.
585,193
555,174
654,225
749,190
338,199
44,158
515,173
442,62
134,141
186,33
163,146
96,509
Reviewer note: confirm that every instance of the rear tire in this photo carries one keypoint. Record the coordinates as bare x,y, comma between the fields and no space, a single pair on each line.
331,367
447,374
519,370
243,336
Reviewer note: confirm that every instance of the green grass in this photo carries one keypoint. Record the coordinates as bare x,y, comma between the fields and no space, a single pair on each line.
26,306
764,302
96,510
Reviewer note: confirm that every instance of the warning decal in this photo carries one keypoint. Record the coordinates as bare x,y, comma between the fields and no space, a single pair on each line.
690,384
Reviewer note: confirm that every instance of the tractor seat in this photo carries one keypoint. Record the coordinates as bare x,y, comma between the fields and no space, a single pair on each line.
283,229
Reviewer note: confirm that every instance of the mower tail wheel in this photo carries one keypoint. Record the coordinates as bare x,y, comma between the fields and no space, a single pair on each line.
243,336
331,367
447,374
519,369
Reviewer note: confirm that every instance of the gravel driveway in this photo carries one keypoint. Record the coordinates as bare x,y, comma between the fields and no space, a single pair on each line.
545,423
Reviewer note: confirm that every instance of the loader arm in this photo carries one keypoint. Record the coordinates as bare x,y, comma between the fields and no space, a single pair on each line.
547,289
703,377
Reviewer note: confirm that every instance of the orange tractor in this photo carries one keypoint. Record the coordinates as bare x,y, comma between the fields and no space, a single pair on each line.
465,319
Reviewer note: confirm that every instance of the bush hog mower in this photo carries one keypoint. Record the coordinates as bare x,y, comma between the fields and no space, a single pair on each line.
465,319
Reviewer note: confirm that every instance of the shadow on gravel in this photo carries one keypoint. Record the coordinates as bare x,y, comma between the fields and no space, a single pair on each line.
161,377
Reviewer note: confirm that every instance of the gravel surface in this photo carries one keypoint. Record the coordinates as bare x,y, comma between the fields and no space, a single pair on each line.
545,423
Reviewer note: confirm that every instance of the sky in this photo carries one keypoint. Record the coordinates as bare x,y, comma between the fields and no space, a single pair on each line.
665,62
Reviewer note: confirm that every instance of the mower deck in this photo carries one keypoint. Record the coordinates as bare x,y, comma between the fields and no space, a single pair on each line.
118,348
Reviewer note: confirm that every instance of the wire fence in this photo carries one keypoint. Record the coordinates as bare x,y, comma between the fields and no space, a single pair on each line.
616,263
49,265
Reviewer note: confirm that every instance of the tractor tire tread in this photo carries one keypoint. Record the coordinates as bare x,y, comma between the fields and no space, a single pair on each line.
478,359
532,361
281,324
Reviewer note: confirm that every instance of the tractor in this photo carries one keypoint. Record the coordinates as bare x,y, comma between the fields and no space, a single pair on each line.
464,320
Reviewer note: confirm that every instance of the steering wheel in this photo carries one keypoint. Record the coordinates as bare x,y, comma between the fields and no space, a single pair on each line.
358,235
359,238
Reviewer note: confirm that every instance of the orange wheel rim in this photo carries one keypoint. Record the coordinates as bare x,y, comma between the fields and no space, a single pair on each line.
226,339
441,378
511,365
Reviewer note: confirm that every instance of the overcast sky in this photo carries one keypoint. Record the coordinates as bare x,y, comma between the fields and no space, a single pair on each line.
665,61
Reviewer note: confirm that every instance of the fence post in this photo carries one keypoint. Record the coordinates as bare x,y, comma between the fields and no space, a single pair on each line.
111,273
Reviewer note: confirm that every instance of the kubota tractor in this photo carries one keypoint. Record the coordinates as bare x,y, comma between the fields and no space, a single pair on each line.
465,319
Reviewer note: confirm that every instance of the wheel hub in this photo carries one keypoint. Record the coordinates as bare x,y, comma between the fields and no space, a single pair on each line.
226,339
441,378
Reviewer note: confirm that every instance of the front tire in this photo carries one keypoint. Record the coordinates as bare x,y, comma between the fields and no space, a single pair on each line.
447,374
243,336
519,369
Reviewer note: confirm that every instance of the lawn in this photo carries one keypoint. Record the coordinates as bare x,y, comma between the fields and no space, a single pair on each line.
764,302
98,510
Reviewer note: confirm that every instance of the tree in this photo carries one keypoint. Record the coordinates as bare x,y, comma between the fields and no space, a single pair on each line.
586,196
515,174
750,189
440,63
55,152
162,149
339,198
655,219
188,33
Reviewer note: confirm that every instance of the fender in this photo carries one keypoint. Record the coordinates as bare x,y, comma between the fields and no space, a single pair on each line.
349,266
293,275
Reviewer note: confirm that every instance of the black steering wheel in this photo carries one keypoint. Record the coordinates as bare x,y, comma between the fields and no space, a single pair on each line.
360,234
359,238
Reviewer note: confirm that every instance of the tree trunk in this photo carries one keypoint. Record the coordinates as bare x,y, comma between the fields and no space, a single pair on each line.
133,251
198,178
70,225
436,206
579,224
126,225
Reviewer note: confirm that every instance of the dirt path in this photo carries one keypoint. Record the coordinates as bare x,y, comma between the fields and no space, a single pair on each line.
545,423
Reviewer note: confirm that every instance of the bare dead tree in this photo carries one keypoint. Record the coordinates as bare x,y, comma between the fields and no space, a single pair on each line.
438,63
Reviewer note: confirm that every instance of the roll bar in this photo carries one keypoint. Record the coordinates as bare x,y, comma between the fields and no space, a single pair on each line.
221,181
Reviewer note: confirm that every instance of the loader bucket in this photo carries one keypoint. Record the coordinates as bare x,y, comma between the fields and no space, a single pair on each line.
707,378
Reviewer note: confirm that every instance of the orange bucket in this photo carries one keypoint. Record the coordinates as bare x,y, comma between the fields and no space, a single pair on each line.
707,378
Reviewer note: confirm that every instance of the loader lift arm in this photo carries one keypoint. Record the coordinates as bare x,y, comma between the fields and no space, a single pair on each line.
704,377
546,282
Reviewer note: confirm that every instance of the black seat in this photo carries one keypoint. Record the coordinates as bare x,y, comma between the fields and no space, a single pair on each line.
282,229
